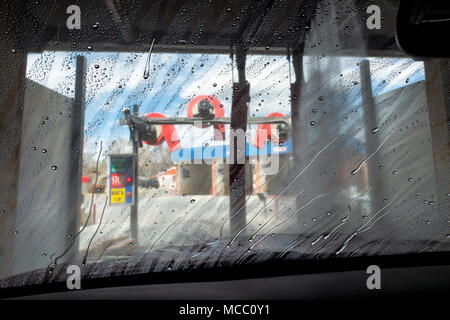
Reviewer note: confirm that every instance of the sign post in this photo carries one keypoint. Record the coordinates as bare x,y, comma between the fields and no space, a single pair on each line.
123,185
136,140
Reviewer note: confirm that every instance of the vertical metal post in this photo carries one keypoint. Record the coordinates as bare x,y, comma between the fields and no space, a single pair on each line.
370,122
297,62
237,172
77,146
134,207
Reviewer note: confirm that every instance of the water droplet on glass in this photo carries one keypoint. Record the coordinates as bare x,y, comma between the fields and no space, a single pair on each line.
147,63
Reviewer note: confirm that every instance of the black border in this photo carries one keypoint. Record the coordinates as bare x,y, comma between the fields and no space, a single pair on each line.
237,272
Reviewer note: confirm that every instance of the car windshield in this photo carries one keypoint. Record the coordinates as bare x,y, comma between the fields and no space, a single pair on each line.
162,136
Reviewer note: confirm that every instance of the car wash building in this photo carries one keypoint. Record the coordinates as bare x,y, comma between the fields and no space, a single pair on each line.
204,170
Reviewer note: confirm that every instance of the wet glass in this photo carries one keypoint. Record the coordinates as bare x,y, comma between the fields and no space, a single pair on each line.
358,166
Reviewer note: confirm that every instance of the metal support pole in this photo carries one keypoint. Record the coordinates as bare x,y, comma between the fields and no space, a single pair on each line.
297,62
370,122
134,207
297,134
76,142
238,122
196,121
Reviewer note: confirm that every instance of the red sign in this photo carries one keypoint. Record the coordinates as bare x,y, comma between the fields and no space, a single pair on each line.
117,180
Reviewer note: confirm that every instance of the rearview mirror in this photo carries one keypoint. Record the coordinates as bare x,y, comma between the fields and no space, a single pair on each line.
423,27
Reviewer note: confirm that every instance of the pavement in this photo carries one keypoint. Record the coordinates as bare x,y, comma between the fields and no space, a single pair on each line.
166,220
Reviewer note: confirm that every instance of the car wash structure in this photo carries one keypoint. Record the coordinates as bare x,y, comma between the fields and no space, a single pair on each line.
204,111
192,162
